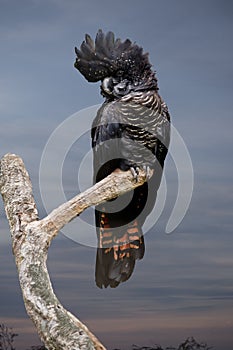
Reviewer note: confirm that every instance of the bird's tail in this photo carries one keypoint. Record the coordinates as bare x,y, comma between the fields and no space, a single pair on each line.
118,250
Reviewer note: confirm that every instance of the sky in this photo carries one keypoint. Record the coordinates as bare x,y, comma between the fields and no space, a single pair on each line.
183,286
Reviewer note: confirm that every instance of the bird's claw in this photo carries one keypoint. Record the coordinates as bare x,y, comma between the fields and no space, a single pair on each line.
135,172
147,169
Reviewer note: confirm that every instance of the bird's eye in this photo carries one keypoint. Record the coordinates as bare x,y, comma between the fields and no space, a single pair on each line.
121,89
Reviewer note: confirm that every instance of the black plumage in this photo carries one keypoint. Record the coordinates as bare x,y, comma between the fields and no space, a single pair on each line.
131,130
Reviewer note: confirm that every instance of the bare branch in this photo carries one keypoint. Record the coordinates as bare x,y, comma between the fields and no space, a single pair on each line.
112,186
31,237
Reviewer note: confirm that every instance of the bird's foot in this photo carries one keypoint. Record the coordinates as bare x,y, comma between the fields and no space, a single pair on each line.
135,172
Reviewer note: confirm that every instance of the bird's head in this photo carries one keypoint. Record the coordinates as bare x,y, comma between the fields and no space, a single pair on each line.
121,66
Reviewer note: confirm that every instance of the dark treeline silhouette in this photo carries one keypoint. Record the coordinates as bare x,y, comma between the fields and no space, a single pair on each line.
189,344
7,337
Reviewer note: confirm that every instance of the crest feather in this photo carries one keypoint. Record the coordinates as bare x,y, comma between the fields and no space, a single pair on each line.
110,57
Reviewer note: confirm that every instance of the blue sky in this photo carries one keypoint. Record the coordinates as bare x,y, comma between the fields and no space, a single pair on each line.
184,284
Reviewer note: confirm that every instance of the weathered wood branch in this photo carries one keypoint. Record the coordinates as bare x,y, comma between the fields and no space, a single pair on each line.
31,237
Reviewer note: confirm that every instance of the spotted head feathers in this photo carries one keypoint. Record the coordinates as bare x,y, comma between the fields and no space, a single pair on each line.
121,62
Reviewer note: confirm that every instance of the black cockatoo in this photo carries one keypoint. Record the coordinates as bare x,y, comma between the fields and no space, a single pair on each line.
131,131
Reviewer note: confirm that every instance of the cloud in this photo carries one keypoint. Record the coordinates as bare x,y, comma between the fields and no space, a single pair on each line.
183,285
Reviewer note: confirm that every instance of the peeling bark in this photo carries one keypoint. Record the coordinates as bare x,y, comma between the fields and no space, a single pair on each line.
31,238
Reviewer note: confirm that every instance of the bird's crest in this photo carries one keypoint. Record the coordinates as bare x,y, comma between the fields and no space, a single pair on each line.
110,57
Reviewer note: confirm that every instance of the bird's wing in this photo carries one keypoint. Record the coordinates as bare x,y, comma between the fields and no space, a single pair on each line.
128,133
106,138
125,134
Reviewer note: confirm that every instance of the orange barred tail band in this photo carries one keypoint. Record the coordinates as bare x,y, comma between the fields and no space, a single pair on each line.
123,243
